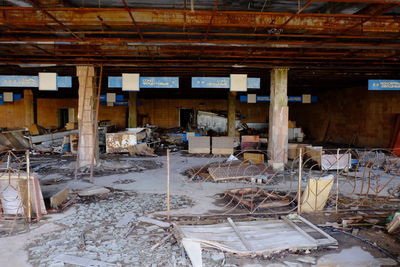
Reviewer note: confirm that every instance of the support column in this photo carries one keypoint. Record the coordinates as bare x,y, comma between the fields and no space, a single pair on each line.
278,118
231,114
88,141
29,108
132,109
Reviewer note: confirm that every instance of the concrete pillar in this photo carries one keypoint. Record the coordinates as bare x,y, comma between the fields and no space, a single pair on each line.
132,109
278,118
29,108
88,141
231,114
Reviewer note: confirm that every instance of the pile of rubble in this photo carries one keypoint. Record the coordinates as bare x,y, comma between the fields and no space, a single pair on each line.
103,167
99,231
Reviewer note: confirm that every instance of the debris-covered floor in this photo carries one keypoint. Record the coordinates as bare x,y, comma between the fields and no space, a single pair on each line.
111,229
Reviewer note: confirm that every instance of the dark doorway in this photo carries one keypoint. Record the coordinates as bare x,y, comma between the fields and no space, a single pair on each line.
186,117
63,117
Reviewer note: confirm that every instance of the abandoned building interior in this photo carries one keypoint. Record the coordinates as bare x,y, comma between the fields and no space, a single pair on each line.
199,133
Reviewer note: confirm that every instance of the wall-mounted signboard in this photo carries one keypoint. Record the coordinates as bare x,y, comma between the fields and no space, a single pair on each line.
380,85
147,82
221,82
31,81
243,98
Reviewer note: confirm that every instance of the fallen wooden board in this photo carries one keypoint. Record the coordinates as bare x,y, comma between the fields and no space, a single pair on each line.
250,238
59,198
154,221
237,172
51,137
316,193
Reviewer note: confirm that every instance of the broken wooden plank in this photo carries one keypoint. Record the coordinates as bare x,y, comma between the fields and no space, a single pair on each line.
51,137
316,193
59,198
193,249
154,221
242,238
156,245
264,236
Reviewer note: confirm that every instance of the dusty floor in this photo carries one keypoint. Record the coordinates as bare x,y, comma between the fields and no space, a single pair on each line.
88,228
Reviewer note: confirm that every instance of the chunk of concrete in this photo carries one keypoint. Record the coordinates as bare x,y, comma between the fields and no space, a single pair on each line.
95,190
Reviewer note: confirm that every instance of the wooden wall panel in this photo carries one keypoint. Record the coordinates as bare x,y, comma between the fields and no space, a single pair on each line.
12,115
350,116
47,110
117,115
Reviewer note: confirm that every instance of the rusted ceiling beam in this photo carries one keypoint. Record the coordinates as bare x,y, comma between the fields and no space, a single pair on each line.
309,2
133,19
337,58
283,44
118,17
38,5
234,34
202,63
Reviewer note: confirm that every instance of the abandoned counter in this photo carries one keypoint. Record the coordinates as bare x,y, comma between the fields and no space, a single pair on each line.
199,133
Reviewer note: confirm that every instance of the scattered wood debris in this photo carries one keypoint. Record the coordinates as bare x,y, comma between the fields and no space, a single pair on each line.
251,238
154,221
257,198
237,172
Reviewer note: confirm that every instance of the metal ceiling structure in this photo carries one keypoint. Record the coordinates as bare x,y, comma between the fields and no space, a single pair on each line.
174,36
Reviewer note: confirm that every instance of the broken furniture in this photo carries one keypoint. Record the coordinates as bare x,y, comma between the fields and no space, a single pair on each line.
222,145
251,238
120,142
13,140
316,194
199,144
325,161
256,158
257,198
18,198
233,172
250,142
49,142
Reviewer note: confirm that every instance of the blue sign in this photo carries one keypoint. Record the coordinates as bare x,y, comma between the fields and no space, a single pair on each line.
221,82
15,97
31,81
243,98
147,82
118,98
383,85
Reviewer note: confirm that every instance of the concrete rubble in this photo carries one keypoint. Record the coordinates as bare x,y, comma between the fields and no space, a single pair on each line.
121,218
